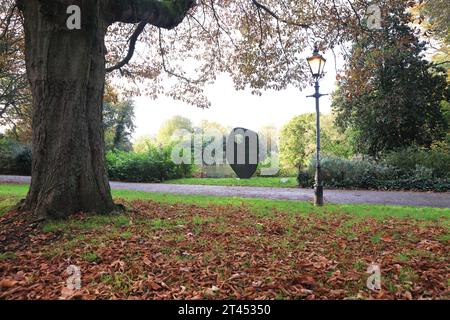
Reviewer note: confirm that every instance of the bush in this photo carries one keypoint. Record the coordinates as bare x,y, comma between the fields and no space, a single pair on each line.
154,165
305,180
287,172
438,161
437,185
357,173
15,158
368,174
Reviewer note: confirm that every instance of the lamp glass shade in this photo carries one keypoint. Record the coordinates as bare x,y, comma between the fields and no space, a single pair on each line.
317,64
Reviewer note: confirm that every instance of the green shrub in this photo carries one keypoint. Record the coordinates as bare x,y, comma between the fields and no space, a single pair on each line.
356,173
154,165
369,174
412,183
438,161
15,158
304,179
287,172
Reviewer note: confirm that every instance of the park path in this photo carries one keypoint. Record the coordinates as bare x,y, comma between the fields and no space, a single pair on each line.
420,199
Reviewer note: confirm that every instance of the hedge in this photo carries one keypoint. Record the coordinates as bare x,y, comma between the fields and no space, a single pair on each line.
154,165
15,158
368,174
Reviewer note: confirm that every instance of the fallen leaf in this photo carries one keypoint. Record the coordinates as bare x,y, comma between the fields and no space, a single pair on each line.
66,293
7,283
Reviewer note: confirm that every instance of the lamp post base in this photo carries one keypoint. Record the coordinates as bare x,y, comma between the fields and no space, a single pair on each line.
318,196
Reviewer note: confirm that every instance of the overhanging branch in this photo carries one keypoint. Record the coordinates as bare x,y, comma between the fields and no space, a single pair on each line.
132,47
277,17
165,14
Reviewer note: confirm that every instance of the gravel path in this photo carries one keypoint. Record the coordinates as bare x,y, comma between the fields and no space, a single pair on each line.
420,199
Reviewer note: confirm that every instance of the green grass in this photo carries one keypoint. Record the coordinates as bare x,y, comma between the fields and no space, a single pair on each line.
272,182
92,223
264,207
117,281
376,238
91,257
7,201
10,194
7,256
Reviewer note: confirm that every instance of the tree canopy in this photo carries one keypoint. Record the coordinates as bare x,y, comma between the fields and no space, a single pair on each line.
169,127
15,96
118,121
390,95
260,44
298,140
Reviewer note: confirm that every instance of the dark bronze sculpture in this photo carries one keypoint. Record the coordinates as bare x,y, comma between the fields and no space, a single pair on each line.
243,152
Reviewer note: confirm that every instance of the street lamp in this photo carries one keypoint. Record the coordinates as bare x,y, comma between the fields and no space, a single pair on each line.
317,65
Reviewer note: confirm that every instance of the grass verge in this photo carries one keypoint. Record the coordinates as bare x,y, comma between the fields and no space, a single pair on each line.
11,193
272,182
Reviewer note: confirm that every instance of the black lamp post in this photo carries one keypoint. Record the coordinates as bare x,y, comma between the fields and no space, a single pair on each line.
317,65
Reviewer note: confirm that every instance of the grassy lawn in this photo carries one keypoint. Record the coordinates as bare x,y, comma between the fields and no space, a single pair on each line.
272,182
174,246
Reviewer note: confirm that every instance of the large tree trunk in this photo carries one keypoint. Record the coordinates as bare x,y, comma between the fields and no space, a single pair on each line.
66,70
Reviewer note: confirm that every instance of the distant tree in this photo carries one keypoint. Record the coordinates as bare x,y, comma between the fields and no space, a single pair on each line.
15,93
433,18
144,144
110,95
335,141
118,121
298,140
294,140
390,96
169,127
206,124
268,136
18,121
445,107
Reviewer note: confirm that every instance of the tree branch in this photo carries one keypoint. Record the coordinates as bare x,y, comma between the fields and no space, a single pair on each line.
5,23
165,14
441,63
133,39
277,17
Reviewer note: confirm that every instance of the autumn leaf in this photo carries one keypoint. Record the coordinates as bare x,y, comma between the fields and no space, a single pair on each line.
7,283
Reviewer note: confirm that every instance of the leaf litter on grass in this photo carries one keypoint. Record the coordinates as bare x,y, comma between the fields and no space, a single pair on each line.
180,251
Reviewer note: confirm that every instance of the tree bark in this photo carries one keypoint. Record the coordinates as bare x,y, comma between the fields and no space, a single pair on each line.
66,70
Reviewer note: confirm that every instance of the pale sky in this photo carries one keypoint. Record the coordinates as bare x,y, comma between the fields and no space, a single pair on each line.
237,108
